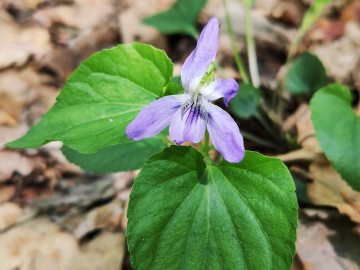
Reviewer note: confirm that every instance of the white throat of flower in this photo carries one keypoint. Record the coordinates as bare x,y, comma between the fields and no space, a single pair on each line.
206,80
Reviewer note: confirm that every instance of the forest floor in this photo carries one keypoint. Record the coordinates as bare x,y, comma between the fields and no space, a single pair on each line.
52,213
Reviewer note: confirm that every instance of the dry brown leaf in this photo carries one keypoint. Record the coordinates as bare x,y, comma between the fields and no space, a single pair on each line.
25,88
14,92
327,245
329,189
41,245
105,252
9,214
301,119
351,13
124,220
104,217
325,30
55,251
210,10
292,119
6,119
80,28
298,155
18,43
123,180
14,246
8,133
310,150
15,162
305,130
131,26
124,195
80,14
6,193
289,12
265,31
342,56
32,176
24,98
25,5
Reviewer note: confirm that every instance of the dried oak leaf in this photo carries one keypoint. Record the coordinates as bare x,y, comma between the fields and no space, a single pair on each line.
9,214
301,120
6,193
131,26
24,98
329,189
18,44
38,245
78,30
15,162
41,245
342,56
104,217
330,244
289,12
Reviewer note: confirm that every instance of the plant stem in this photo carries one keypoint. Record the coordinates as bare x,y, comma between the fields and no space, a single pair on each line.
260,117
311,15
239,63
250,43
206,140
259,140
204,146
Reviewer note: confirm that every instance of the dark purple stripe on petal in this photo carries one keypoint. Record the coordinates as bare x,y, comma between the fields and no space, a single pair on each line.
192,115
188,124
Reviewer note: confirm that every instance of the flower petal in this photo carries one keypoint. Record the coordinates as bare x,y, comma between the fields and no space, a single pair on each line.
188,124
155,117
221,88
225,134
199,60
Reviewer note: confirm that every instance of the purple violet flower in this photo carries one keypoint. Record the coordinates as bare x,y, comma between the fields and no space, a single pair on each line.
189,114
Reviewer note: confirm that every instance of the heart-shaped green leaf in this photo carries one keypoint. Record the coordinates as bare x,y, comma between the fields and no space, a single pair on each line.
306,75
337,128
101,97
184,214
116,158
180,18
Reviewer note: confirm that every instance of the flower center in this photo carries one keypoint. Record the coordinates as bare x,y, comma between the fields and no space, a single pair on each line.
193,111
206,79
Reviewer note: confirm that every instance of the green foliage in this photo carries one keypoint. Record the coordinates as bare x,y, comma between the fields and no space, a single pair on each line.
185,214
309,18
244,105
174,87
311,15
101,97
337,128
306,75
180,18
116,158
301,189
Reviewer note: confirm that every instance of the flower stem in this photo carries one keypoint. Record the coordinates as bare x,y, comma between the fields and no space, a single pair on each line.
239,63
250,43
206,142
205,148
